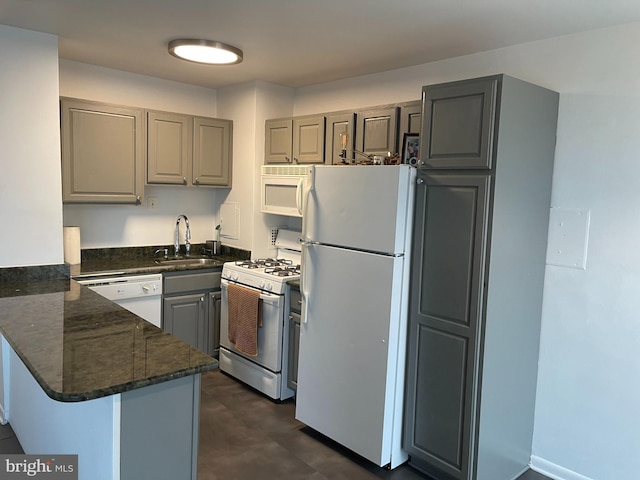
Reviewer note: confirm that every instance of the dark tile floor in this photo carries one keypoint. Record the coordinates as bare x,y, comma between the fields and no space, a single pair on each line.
244,435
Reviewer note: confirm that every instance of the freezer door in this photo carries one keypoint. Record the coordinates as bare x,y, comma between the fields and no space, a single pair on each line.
350,344
362,207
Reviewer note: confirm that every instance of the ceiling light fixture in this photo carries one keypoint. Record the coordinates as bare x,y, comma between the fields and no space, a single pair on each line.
205,51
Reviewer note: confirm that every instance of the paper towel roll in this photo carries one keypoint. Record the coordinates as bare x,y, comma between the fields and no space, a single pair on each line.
71,242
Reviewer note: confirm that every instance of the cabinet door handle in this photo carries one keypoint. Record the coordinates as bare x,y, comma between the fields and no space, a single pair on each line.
295,160
197,181
419,181
287,159
184,180
138,200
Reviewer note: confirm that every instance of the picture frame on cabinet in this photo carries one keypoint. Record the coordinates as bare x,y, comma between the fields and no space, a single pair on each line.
411,148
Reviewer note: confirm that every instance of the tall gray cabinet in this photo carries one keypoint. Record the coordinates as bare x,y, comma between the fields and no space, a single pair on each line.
478,258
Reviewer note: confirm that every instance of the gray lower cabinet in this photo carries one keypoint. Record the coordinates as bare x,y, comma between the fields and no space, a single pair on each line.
215,304
191,308
102,152
295,302
478,261
185,317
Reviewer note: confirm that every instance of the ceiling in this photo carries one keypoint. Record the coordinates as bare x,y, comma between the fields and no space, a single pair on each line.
301,42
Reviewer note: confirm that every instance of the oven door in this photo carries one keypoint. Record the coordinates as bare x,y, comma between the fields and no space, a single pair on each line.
269,335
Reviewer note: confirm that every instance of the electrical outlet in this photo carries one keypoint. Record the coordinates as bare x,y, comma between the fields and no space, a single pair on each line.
152,203
273,235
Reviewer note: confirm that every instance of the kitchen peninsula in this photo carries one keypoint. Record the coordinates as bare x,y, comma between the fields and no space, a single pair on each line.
84,376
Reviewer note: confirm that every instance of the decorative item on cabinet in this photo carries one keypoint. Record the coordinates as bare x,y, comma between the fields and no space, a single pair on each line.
411,149
339,125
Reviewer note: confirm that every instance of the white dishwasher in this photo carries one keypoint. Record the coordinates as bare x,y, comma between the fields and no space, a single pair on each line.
140,294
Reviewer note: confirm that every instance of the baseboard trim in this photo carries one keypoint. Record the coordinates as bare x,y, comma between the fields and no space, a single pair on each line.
553,470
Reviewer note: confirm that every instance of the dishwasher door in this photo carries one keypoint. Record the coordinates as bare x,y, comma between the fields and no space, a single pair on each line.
140,294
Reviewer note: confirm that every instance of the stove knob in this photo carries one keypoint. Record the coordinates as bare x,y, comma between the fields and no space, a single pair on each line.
269,287
234,276
261,284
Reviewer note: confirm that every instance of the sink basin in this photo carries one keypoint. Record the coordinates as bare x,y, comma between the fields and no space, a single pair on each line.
186,261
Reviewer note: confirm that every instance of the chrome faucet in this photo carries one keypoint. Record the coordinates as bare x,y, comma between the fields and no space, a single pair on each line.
187,236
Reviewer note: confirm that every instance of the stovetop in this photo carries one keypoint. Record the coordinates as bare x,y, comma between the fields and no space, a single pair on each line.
279,267
269,274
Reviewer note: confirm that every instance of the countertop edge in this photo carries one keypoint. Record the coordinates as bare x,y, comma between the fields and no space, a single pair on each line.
113,390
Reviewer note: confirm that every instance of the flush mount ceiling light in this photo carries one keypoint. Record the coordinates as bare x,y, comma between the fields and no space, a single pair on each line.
205,51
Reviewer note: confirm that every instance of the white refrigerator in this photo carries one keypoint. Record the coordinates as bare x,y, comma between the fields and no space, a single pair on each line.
355,274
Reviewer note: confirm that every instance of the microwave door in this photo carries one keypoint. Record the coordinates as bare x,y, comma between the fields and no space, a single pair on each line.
279,195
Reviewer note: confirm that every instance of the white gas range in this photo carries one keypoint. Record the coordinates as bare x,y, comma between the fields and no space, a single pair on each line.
268,277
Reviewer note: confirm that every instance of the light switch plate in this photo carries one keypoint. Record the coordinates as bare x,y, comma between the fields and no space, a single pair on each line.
568,237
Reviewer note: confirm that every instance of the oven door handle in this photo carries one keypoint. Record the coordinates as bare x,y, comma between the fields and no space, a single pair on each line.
268,298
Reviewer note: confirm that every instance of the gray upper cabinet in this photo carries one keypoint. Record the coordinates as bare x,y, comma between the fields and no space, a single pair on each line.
308,139
476,281
458,124
298,140
169,148
102,152
410,118
278,142
338,124
212,151
187,150
377,131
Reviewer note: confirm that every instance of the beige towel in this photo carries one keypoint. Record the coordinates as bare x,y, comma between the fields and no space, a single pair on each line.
245,316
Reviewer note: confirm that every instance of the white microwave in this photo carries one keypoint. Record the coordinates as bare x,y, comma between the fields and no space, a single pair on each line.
281,189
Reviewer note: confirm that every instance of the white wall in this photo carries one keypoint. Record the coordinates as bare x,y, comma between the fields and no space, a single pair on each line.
129,225
30,188
249,105
586,425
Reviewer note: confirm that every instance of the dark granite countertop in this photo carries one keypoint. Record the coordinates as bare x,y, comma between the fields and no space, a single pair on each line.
80,346
142,260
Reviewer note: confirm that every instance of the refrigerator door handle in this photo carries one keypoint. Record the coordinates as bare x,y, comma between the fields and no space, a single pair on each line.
304,283
309,184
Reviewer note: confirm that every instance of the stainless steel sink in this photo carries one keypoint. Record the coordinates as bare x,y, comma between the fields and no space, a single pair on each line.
186,261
